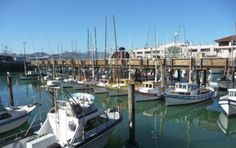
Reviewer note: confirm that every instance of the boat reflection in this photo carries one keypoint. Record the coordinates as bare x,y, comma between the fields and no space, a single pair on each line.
227,125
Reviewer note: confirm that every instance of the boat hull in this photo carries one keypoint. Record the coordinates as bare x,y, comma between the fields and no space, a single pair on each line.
98,142
229,106
147,97
12,124
99,89
186,99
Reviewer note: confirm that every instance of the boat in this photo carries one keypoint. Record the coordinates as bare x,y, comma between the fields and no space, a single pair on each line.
227,125
121,83
74,122
30,75
149,91
187,93
228,102
101,87
65,83
119,88
224,83
13,117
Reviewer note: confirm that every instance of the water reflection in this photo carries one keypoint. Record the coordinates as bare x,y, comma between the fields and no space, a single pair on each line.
227,125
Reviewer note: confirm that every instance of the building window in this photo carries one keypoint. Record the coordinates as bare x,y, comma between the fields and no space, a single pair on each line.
224,44
139,52
147,51
205,49
194,50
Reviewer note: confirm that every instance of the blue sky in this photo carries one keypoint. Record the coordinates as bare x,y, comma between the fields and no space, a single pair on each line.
42,24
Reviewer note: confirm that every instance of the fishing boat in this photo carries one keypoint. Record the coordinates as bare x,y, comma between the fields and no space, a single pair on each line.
187,93
149,91
101,87
74,122
225,83
13,117
30,75
228,102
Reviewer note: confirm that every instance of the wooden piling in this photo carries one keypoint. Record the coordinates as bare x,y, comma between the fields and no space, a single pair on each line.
163,74
190,71
205,77
131,142
10,95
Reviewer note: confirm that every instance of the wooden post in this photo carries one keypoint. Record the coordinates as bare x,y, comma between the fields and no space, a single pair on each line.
205,77
226,66
131,142
10,95
233,77
197,78
190,71
179,74
163,74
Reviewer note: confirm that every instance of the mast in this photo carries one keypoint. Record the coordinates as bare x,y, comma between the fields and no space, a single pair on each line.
95,42
105,53
117,72
88,43
25,68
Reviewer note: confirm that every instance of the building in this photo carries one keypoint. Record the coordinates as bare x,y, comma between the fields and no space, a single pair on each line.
160,51
224,47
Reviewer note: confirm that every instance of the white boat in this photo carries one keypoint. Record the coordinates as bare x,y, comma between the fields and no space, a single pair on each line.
64,83
187,93
228,102
101,87
225,83
76,122
13,117
30,75
121,83
150,91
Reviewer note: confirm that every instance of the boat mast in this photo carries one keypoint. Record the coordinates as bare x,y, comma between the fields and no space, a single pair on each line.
24,58
96,52
105,53
117,55
232,44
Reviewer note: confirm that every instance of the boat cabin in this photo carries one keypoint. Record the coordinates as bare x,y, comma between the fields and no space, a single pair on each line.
149,84
186,87
232,93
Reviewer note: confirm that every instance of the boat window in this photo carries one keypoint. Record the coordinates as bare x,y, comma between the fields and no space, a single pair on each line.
147,85
150,85
95,122
184,86
234,93
5,116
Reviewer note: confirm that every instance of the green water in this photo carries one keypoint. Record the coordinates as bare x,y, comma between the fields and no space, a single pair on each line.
190,126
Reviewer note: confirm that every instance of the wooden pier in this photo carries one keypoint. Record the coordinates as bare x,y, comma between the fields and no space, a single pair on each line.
196,64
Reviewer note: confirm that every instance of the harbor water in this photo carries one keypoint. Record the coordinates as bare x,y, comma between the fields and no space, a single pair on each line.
190,126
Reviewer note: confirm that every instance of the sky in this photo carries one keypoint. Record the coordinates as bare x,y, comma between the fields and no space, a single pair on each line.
61,25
